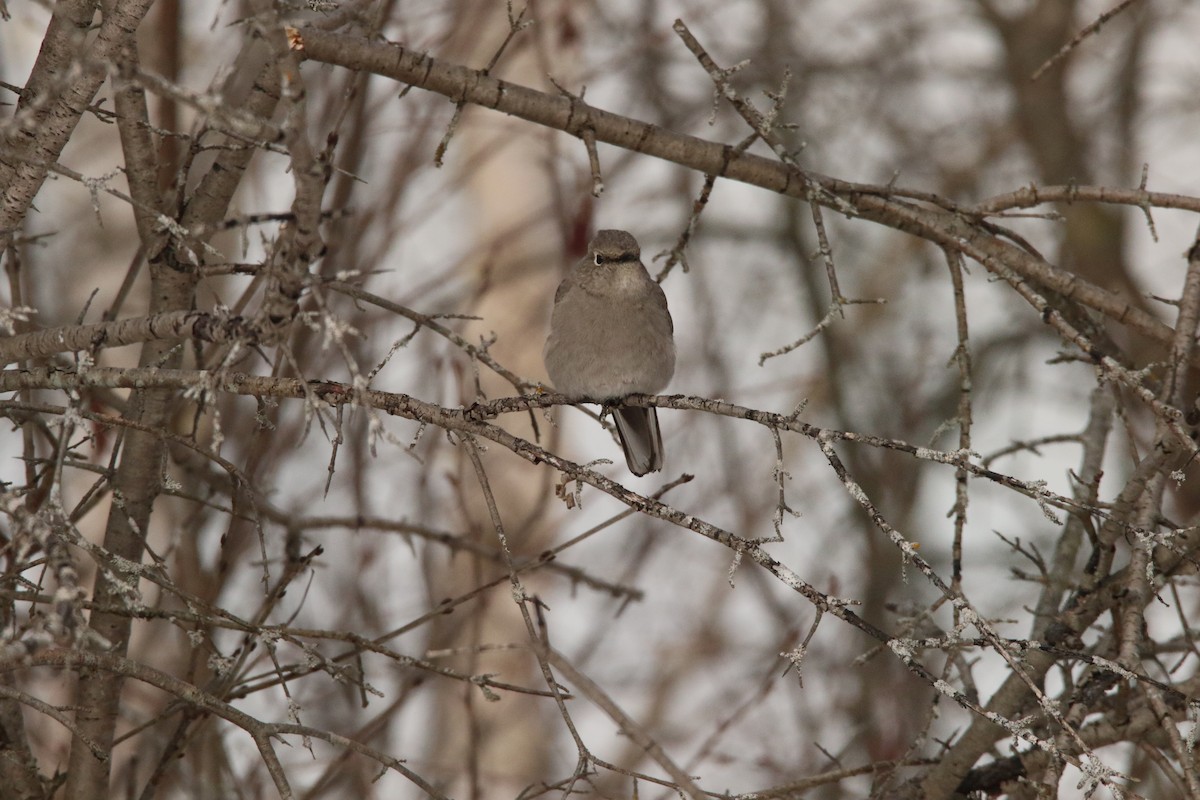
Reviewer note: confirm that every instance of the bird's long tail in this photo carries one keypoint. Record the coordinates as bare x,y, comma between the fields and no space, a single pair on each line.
640,438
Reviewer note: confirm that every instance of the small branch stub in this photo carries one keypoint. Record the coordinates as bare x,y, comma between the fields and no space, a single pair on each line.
295,41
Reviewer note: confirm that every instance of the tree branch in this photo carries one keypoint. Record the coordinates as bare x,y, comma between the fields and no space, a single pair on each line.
949,229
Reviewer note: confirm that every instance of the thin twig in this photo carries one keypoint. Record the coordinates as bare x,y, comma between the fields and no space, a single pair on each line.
834,313
962,357
1088,30
515,26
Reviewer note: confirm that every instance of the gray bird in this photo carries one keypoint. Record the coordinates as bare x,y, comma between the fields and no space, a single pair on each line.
611,336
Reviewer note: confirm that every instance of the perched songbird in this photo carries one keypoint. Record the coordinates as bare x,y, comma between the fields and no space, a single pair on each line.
611,336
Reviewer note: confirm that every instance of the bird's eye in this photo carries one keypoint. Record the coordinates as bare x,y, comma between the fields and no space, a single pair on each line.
599,259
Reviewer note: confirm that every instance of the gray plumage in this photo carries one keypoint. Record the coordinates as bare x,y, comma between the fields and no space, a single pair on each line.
611,335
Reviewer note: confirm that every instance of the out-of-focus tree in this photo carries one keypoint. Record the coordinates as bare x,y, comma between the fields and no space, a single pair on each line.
287,510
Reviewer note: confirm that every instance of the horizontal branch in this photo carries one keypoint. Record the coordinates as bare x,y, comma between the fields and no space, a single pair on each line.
470,420
1030,196
456,420
200,325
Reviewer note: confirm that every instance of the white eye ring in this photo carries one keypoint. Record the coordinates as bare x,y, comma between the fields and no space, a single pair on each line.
599,259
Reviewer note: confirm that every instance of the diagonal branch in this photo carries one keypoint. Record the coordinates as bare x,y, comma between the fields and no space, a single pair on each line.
27,156
946,225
